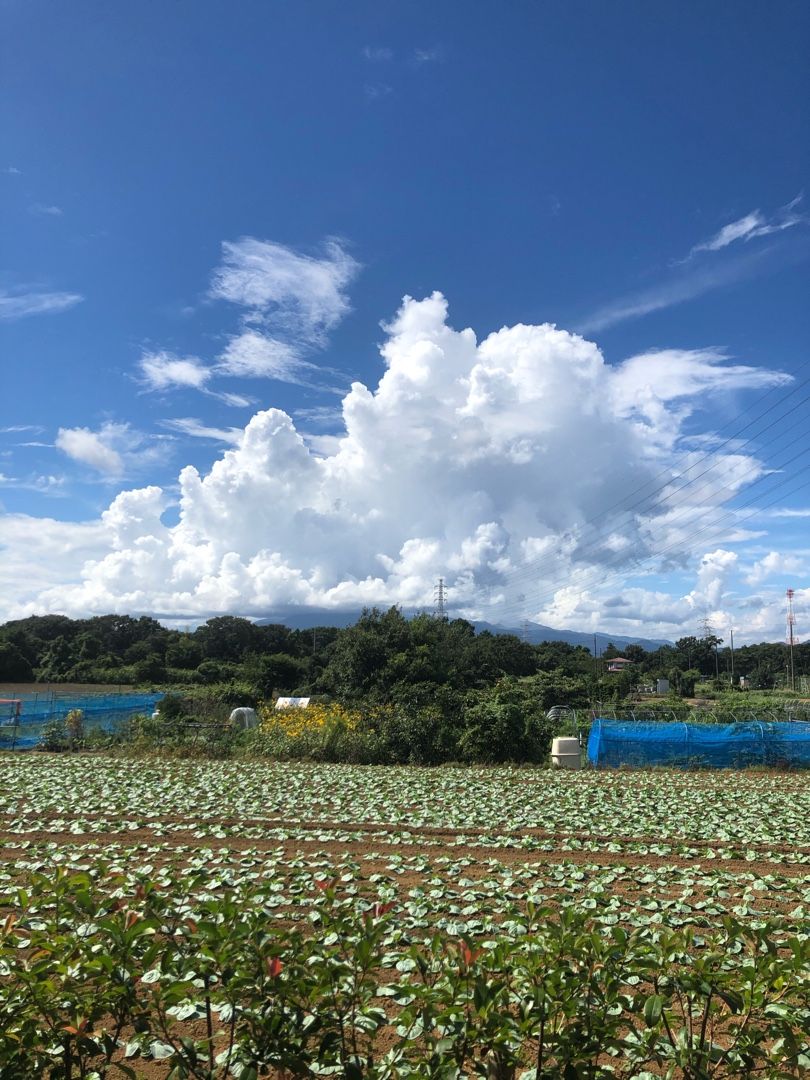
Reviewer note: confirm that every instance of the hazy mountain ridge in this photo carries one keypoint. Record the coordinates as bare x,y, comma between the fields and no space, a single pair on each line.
534,632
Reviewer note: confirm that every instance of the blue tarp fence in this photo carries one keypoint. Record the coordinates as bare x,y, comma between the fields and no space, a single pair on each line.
720,746
104,711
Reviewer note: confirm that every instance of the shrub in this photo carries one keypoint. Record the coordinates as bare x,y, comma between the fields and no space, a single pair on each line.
74,729
53,738
506,723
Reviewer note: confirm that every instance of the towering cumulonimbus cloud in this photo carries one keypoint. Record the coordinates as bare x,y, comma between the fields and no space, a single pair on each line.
479,462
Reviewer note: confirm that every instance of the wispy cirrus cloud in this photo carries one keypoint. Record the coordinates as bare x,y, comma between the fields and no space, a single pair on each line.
43,484
289,303
255,355
164,370
378,54
427,56
20,305
788,512
303,296
675,290
754,225
237,401
706,267
375,91
190,425
45,210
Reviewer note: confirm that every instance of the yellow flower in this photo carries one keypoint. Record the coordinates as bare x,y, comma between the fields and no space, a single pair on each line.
294,722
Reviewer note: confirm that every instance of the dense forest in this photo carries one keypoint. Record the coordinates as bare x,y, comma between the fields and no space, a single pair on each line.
381,658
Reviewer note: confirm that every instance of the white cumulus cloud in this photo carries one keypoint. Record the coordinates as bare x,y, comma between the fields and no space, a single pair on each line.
162,370
776,563
90,448
114,450
481,462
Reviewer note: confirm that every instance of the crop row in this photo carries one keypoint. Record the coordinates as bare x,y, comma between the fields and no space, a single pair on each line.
178,832
735,809
457,895
96,974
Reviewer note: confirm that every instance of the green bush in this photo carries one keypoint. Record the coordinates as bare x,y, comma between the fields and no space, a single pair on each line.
506,723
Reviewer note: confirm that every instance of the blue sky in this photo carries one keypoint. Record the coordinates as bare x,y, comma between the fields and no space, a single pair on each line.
634,174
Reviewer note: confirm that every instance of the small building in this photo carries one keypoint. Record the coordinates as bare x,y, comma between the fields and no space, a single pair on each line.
617,663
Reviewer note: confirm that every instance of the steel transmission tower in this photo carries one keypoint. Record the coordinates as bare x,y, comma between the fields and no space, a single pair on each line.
440,599
790,637
707,634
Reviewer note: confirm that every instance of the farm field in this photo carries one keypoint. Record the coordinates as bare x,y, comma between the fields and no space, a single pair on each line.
399,921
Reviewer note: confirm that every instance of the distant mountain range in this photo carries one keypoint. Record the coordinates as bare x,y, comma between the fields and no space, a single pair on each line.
534,632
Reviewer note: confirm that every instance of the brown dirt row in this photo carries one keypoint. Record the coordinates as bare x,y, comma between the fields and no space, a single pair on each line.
330,825
507,856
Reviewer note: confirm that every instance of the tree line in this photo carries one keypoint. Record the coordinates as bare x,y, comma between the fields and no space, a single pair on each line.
383,655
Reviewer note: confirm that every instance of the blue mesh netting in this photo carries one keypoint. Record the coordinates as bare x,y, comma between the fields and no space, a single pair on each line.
722,746
100,711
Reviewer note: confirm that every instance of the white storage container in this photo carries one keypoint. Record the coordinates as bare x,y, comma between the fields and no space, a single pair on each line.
565,753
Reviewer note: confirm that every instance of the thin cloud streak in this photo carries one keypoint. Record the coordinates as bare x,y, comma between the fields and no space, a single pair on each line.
752,226
21,305
676,291
190,425
378,54
427,56
692,277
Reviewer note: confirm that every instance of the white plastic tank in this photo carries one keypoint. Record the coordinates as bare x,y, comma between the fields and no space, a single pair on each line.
565,752
243,719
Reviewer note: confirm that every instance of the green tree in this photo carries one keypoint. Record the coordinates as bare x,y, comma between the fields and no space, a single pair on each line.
14,667
550,688
275,673
183,652
359,665
150,669
228,638
560,656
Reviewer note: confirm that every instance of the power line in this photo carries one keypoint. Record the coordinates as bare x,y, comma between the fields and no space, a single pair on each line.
537,567
711,530
693,519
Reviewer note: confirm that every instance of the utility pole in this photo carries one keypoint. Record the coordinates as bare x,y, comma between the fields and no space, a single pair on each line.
791,628
440,598
731,635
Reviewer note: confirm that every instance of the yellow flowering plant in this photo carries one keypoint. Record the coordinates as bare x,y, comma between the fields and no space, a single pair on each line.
320,730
